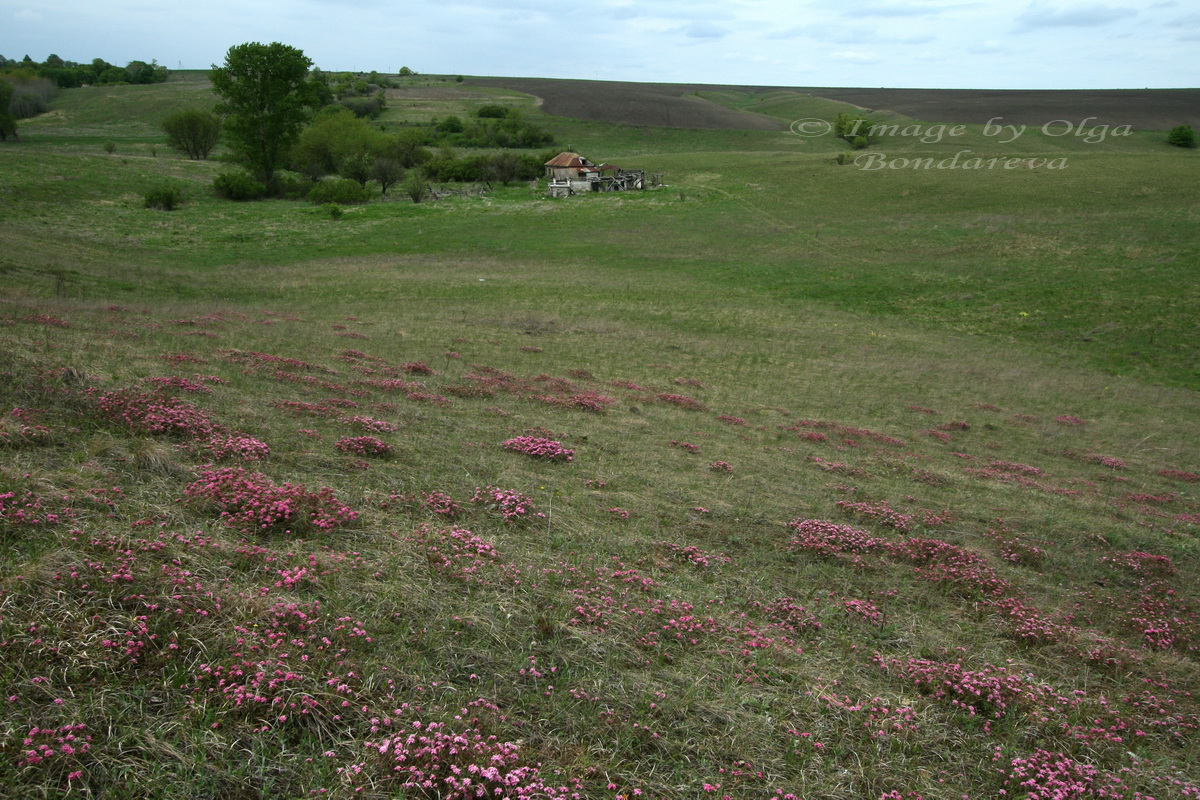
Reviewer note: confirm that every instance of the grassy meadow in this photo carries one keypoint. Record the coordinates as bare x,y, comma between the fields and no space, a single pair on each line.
788,479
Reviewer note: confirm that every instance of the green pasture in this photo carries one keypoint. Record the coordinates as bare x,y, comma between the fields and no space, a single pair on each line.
1003,356
1086,250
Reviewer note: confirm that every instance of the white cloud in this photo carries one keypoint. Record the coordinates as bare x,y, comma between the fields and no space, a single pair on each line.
702,30
856,56
1040,15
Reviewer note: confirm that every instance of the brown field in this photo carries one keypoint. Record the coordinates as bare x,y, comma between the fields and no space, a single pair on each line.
674,106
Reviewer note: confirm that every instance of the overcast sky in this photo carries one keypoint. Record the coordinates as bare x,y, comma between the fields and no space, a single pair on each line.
1054,44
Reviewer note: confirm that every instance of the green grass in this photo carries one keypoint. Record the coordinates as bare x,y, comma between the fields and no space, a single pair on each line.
1093,260
1024,339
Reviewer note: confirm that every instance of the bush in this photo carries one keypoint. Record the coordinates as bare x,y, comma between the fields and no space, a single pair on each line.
109,147
29,98
848,126
340,191
365,107
239,186
1182,136
164,198
414,186
292,185
450,124
357,168
333,210
492,111
386,172
192,132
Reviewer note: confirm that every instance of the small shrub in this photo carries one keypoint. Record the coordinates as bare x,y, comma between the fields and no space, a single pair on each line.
414,187
192,131
333,210
1182,136
293,185
340,191
239,186
163,198
109,147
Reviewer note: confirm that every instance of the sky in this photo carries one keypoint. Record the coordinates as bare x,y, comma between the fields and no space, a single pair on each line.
935,44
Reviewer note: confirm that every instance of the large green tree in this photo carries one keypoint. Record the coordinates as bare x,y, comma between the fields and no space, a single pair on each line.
266,100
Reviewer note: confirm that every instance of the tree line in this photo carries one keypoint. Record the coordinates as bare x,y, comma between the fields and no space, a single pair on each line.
70,74
282,118
28,86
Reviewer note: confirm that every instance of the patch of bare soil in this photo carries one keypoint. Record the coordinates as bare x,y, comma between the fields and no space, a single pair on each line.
669,104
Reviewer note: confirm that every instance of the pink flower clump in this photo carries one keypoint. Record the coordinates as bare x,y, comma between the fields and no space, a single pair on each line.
363,446
66,743
513,506
432,760
153,413
1045,775
682,401
250,500
537,447
237,446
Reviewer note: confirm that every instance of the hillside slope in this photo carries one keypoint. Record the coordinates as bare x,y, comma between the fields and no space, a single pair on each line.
671,105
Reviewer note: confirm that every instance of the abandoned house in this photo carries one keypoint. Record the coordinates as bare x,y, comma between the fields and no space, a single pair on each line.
571,173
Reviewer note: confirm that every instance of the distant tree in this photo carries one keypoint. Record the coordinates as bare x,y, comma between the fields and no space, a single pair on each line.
266,98
335,137
506,167
113,75
405,72
8,123
851,126
371,106
451,124
386,172
357,167
192,132
408,147
1182,136
141,72
31,95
